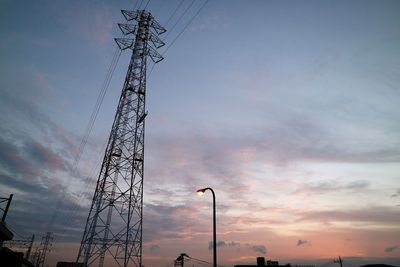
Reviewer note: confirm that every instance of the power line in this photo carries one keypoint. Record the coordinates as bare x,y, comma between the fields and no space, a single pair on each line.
141,2
148,1
173,13
97,106
203,261
200,262
181,32
137,2
89,182
89,127
15,232
169,31
187,25
179,19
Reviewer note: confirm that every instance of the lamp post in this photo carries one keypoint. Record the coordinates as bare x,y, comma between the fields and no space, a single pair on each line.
200,192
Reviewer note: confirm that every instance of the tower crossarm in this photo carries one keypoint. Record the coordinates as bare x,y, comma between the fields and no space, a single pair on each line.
127,28
124,43
157,27
130,14
154,55
157,42
135,15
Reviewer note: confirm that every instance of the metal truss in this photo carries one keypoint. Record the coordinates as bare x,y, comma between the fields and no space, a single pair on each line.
113,232
45,247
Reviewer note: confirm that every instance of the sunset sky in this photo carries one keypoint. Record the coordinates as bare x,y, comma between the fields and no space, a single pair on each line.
289,110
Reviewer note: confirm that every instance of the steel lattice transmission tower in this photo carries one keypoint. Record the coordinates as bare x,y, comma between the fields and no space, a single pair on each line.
45,247
113,232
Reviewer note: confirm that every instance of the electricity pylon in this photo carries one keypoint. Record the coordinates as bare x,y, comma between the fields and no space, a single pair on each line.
45,247
113,232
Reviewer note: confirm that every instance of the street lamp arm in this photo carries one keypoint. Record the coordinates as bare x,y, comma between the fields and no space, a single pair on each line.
201,192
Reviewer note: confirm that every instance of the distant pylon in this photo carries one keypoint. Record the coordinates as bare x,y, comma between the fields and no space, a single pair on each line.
113,231
34,256
340,261
45,247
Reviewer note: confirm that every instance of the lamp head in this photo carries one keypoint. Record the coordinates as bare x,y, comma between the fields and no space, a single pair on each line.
200,192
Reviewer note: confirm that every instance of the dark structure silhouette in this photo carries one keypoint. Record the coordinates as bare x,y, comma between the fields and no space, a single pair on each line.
69,264
113,231
5,233
340,261
180,260
9,258
44,248
22,244
261,263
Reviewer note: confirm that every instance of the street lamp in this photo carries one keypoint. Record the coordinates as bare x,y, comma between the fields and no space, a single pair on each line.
200,192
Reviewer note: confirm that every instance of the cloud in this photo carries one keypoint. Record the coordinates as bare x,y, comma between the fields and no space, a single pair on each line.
377,215
301,242
35,165
166,222
179,157
212,22
258,248
28,119
186,160
223,244
219,244
30,158
240,189
391,249
34,205
155,248
44,156
12,161
396,194
36,155
331,186
233,244
237,245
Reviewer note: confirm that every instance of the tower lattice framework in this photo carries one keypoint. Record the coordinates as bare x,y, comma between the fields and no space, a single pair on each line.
113,231
45,246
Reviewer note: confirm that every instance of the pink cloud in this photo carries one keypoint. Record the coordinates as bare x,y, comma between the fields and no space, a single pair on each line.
375,215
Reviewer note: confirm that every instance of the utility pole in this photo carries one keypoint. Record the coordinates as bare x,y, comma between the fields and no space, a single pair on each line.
35,256
5,211
5,233
45,247
180,261
340,261
28,253
113,231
